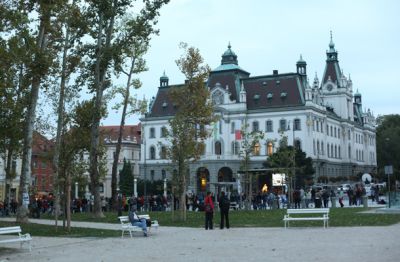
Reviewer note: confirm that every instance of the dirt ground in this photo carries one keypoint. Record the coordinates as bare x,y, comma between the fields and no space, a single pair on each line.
236,244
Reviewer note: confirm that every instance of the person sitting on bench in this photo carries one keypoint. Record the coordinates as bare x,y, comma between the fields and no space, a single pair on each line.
136,221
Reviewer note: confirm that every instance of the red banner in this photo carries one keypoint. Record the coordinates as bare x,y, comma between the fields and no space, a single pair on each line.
238,135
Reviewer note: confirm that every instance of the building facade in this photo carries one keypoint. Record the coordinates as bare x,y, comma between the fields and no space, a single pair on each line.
325,118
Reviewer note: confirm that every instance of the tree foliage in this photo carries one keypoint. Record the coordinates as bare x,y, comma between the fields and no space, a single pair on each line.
126,179
388,144
301,170
249,140
188,127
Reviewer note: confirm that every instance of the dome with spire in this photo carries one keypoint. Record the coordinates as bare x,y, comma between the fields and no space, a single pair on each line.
164,77
164,80
229,61
301,61
229,57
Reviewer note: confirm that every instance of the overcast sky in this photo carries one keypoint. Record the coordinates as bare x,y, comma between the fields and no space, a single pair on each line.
268,35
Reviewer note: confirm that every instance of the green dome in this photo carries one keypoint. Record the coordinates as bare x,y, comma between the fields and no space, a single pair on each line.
229,57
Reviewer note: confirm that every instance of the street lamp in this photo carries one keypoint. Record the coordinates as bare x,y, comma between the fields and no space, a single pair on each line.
119,202
290,189
135,187
76,190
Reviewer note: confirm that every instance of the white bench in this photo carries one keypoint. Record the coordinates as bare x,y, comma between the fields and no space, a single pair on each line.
22,238
292,215
126,225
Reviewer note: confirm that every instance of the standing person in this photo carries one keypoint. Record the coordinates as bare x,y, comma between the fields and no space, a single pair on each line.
224,205
341,196
209,211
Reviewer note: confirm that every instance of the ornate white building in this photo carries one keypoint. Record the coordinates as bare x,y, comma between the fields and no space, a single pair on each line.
324,118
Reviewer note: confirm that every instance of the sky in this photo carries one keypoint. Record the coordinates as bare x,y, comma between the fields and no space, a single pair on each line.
268,35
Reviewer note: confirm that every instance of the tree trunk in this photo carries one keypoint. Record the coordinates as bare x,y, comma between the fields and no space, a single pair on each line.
68,201
60,127
25,178
121,131
100,74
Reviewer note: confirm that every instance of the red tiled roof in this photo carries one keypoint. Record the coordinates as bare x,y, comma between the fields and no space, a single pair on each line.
130,132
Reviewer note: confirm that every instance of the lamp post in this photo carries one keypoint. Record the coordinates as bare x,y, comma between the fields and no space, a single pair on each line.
119,202
290,187
76,190
135,187
165,188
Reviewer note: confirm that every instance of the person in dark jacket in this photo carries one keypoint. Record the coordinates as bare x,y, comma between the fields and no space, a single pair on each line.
209,211
224,205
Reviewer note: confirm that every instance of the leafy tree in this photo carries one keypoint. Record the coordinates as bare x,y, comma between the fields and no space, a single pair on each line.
388,144
106,52
126,179
33,24
187,128
293,162
249,141
73,29
134,39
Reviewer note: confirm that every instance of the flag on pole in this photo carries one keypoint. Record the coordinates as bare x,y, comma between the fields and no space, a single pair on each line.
238,135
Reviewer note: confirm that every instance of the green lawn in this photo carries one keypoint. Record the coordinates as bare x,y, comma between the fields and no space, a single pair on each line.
339,217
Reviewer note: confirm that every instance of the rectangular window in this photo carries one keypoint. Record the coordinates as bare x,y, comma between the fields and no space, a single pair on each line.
297,124
282,125
232,127
152,133
268,126
255,126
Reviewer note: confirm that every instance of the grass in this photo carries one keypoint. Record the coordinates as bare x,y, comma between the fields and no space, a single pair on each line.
50,231
339,217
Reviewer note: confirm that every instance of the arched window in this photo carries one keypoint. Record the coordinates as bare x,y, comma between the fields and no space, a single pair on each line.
335,150
256,149
322,148
152,152
270,148
163,153
339,154
235,148
218,148
349,152
327,150
318,147
332,151
314,151
163,131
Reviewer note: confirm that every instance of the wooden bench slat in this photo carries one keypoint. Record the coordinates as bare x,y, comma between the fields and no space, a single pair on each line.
324,211
22,238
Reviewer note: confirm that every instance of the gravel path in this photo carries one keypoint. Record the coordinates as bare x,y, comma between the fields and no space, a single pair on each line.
236,244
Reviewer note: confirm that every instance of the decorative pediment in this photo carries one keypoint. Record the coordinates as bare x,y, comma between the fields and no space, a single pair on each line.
219,95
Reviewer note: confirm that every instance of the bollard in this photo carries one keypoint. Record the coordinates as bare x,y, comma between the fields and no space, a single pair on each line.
365,201
333,202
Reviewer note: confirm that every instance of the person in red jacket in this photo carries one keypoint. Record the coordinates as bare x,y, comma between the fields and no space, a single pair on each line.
209,210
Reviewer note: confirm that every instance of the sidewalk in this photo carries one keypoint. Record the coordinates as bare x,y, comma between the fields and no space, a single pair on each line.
196,244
